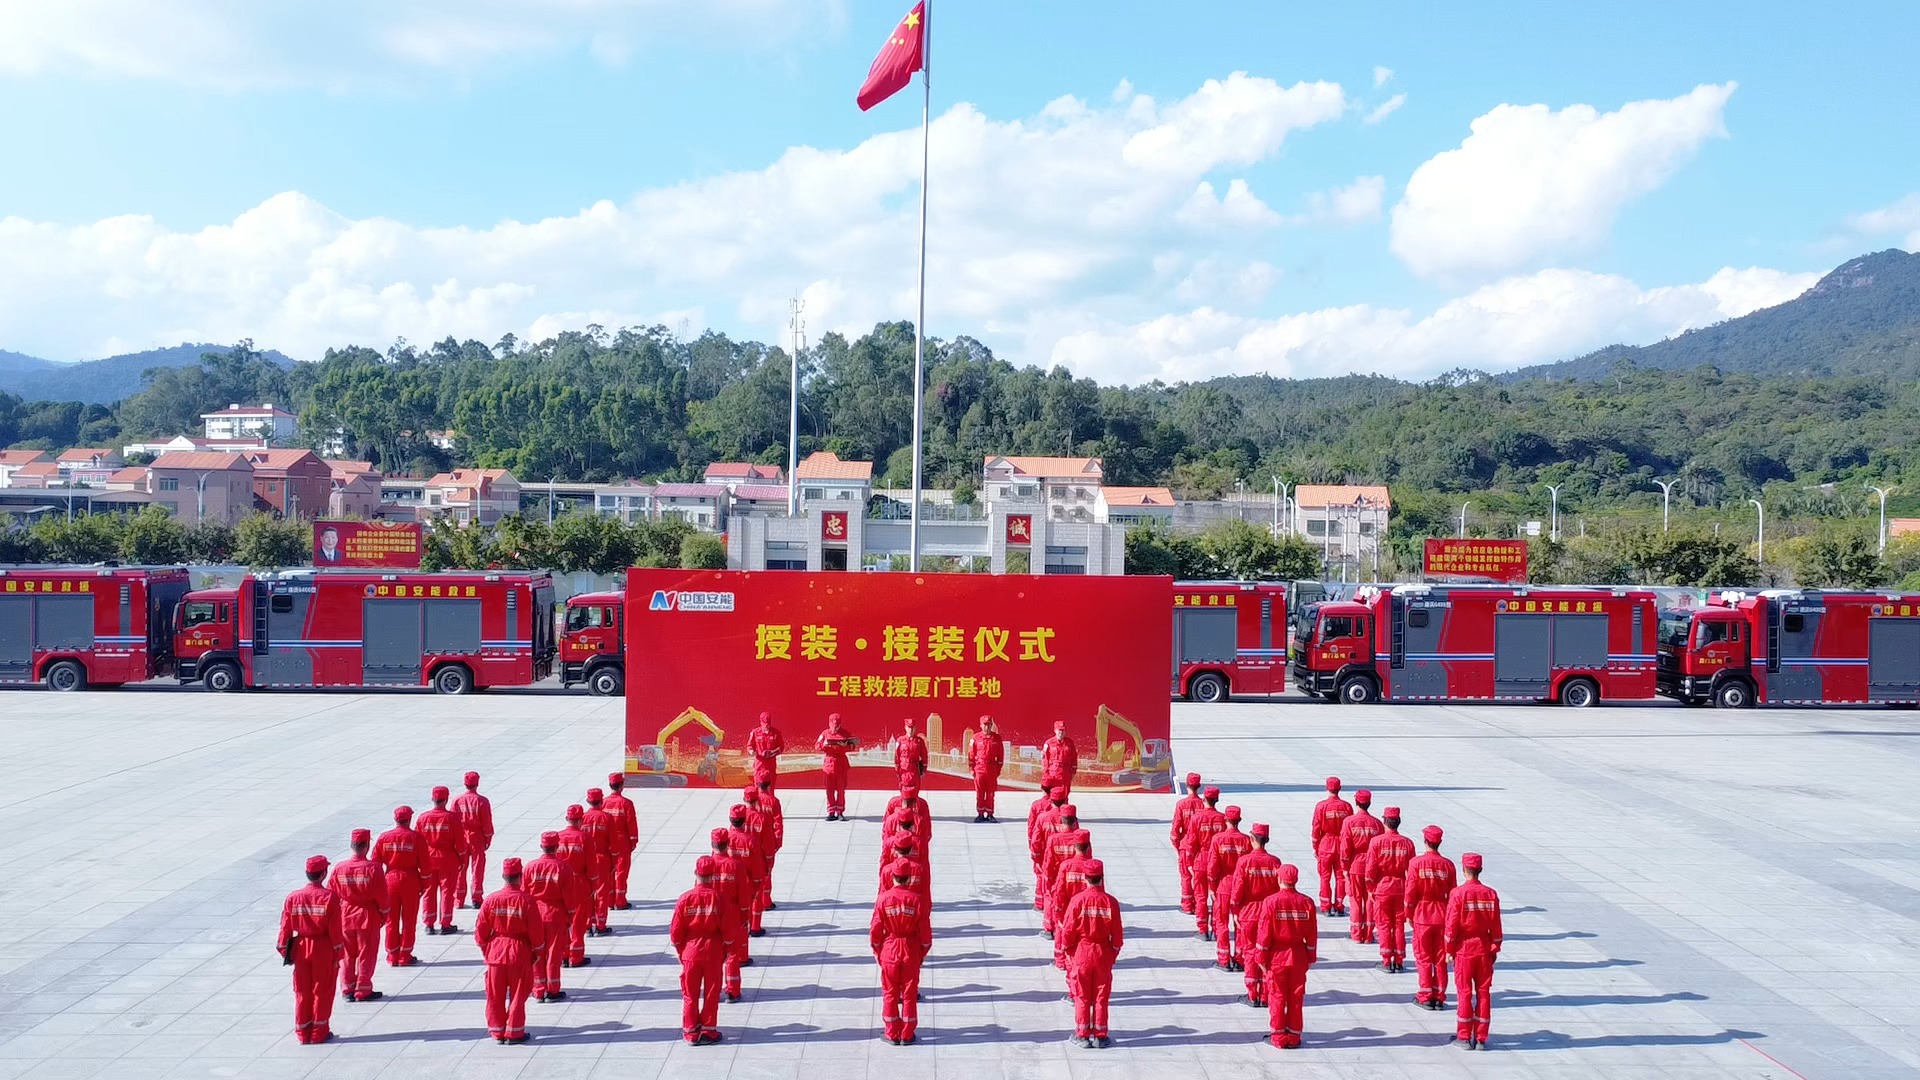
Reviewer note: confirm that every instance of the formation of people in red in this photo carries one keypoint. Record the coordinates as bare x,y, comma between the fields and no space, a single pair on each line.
1244,899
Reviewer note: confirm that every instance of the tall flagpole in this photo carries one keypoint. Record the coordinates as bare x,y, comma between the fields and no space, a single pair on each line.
793,409
920,323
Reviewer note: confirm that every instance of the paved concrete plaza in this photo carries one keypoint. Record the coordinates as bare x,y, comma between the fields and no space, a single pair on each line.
1689,894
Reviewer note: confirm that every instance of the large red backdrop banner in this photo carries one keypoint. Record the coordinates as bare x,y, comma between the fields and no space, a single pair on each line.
708,651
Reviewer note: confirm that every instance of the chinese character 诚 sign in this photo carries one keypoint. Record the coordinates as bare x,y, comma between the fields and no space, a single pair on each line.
1019,530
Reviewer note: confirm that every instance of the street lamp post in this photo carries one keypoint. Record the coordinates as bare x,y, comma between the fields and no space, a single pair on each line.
1553,517
1882,492
1463,519
1240,489
550,481
200,501
1280,488
1760,538
1666,500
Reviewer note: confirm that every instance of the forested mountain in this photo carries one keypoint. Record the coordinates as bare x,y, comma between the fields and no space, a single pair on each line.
97,382
1864,317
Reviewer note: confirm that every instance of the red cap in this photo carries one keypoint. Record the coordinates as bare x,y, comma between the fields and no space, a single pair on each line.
1057,792
1289,874
1333,783
750,795
909,782
510,868
1432,834
316,864
986,718
440,793
1391,811
616,779
594,794
899,868
1193,779
1069,810
720,836
574,813
901,842
833,718
766,717
737,810
1058,724
403,813
360,836
1232,813
472,779
549,839
1363,797
1470,861
1211,793
1095,868
1261,830
704,866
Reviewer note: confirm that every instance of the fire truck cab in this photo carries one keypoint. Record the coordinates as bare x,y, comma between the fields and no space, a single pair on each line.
1793,647
71,627
592,643
1229,637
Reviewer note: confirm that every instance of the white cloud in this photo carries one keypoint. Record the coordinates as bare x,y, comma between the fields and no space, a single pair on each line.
1122,91
248,43
1385,109
1059,212
1381,76
1354,204
1531,184
1545,316
1901,217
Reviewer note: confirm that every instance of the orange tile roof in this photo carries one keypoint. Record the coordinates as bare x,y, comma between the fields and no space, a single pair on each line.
745,470
279,460
38,468
132,474
1044,467
79,456
1137,496
202,461
1902,526
1337,495
21,457
826,465
350,468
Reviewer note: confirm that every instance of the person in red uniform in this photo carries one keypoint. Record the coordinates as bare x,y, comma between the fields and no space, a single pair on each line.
1060,845
743,843
400,851
1288,939
766,744
986,757
760,824
901,933
731,881
476,819
1473,941
1255,877
908,819
1059,759
513,939
446,841
312,941
362,888
1430,881
1387,860
1040,819
1360,891
834,745
557,893
1091,933
626,836
1068,881
702,931
596,825
1182,812
1202,826
911,799
1356,835
907,856
573,851
1223,857
1329,817
909,754
777,820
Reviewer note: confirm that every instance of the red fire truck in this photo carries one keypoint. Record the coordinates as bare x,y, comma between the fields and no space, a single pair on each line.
71,627
1793,647
1576,646
455,632
1229,637
591,645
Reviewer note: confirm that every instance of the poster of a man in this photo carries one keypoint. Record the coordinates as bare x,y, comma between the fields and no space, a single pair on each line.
328,550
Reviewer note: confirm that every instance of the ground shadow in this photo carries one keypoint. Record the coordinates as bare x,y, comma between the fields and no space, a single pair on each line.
1558,1040
1530,999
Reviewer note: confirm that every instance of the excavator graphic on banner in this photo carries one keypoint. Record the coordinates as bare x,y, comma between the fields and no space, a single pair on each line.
662,764
1149,766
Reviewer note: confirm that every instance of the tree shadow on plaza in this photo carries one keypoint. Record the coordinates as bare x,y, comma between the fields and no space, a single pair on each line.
1570,935
1560,1040
1228,788
1567,965
1533,999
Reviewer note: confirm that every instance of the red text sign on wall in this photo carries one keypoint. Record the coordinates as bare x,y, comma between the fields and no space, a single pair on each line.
833,526
1493,560
709,650
1019,529
385,544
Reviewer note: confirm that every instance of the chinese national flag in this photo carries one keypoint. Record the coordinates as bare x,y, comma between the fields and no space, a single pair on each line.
902,55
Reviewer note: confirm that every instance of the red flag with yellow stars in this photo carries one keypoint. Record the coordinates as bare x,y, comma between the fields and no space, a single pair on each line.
902,55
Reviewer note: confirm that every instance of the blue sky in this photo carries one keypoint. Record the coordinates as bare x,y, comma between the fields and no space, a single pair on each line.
1553,177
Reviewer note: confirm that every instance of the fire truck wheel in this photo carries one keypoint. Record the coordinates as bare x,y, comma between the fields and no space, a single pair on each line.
1358,690
1732,694
1208,687
606,681
452,679
67,675
1579,694
222,678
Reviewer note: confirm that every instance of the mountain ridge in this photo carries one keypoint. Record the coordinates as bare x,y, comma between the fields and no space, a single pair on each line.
103,381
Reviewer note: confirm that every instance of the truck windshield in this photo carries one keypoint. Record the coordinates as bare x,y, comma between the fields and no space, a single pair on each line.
580,618
1335,626
1673,628
196,612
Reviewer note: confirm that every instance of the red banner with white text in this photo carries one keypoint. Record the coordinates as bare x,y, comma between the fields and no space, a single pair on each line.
392,545
708,651
1486,560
